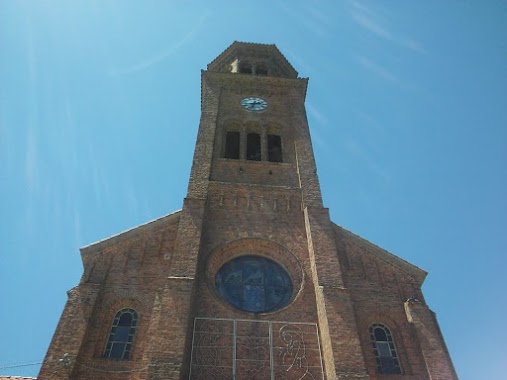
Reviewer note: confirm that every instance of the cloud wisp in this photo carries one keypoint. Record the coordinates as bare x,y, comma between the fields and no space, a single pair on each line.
367,18
377,69
316,114
356,150
162,56
31,161
368,23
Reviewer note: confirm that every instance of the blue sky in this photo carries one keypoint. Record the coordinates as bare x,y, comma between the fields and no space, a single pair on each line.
407,105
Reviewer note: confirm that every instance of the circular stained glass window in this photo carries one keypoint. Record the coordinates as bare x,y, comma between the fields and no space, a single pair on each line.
254,284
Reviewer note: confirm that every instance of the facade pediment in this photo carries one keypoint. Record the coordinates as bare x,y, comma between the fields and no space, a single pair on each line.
374,252
131,234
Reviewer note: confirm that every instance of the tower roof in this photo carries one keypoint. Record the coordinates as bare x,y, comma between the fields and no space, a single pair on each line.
251,53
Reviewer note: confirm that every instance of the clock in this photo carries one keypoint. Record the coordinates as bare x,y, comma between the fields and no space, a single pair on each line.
254,104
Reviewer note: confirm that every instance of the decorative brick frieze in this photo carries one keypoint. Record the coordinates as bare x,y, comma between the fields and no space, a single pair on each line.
248,198
250,280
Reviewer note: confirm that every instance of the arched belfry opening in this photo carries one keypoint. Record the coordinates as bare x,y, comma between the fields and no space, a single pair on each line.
250,279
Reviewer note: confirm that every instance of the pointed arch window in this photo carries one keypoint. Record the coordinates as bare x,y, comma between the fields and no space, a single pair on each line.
384,350
119,343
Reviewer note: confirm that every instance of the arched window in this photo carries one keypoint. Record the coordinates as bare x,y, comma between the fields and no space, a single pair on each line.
274,148
232,142
253,147
261,69
245,68
121,336
384,349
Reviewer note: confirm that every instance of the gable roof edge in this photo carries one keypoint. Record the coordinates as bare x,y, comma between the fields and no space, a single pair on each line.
101,244
414,271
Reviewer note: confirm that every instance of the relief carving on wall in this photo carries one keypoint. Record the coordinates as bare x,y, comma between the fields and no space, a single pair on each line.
293,355
212,350
255,350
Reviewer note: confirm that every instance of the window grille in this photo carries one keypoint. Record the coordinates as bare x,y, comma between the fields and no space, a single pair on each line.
121,336
384,350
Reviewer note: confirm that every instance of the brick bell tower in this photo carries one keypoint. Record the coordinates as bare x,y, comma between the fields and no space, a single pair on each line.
251,279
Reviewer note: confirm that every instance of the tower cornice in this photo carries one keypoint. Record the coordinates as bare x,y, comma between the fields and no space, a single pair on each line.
253,51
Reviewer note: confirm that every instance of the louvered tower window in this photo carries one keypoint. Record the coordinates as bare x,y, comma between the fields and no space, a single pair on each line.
232,145
274,148
245,68
253,147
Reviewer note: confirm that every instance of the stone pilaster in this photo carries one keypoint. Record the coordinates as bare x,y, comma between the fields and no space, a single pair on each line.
437,358
60,360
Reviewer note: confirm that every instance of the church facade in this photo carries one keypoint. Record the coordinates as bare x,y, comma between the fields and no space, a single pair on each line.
251,280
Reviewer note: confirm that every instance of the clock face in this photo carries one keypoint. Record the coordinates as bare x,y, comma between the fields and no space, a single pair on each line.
254,104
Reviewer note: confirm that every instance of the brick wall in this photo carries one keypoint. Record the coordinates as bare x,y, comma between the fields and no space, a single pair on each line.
166,269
